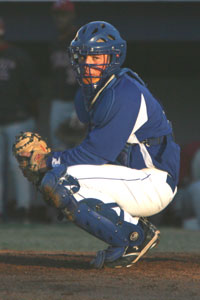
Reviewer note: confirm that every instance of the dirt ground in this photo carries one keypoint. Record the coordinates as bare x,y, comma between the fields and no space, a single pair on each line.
27,275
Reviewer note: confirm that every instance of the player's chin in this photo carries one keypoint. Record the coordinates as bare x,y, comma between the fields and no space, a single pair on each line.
87,80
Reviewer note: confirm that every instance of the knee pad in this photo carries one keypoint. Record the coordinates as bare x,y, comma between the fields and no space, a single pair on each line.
57,188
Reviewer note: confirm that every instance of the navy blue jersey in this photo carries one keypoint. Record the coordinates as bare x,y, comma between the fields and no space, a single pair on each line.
127,126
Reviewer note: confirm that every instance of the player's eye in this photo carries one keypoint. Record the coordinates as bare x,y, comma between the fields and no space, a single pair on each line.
96,58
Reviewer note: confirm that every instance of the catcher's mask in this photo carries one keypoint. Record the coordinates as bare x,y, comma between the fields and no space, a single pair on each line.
96,38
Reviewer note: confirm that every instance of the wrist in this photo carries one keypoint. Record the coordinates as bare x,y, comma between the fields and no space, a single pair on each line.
48,160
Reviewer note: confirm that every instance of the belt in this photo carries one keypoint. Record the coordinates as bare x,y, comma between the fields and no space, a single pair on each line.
171,182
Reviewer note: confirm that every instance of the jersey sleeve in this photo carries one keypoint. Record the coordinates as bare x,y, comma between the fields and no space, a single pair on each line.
110,130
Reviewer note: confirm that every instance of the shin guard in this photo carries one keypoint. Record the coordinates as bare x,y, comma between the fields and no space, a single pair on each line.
92,215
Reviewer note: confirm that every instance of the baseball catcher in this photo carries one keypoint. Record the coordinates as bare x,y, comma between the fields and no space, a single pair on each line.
127,166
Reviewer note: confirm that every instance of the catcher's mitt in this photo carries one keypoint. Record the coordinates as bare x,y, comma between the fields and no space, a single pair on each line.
31,151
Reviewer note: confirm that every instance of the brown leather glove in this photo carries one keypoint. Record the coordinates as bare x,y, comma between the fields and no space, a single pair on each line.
31,152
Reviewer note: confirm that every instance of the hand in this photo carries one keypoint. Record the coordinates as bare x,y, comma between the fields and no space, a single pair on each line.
31,152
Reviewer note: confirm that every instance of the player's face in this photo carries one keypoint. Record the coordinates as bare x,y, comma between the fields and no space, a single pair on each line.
99,62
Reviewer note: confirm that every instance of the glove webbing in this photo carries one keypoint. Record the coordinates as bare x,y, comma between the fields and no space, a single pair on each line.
22,136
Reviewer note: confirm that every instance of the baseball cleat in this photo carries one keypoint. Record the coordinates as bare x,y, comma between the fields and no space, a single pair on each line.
133,254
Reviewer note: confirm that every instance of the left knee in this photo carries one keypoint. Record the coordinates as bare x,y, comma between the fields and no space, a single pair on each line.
58,188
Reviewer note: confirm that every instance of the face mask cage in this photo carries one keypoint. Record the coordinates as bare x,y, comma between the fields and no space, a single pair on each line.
96,38
106,69
87,74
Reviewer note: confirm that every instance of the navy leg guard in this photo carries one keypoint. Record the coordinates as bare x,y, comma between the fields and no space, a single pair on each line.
102,221
92,215
57,189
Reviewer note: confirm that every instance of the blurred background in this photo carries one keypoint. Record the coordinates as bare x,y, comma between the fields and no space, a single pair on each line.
163,48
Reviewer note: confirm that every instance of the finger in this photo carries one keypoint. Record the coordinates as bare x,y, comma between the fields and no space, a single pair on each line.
25,154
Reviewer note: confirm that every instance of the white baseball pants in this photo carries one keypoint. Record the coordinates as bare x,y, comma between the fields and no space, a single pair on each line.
140,193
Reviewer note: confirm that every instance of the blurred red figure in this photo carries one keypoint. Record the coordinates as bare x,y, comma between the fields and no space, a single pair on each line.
189,170
64,5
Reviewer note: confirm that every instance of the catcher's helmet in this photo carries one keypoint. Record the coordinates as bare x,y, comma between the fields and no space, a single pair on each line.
96,38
